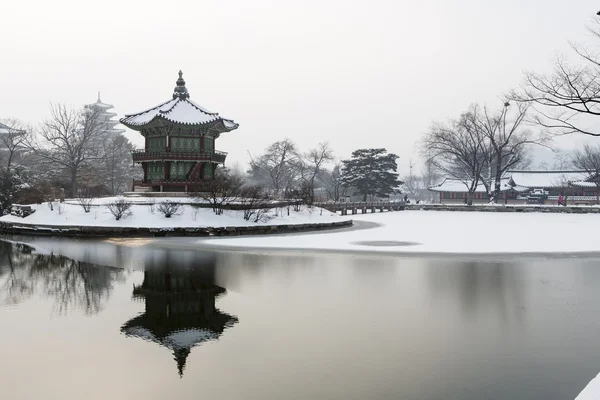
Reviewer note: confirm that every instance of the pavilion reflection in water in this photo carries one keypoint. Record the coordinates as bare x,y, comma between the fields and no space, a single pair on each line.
180,310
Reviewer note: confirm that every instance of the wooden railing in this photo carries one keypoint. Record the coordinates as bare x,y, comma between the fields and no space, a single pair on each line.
364,207
149,155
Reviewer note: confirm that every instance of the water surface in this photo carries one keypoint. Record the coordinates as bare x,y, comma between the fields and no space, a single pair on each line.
140,319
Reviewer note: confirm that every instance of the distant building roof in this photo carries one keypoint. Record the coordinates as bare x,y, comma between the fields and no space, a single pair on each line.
4,129
583,184
457,185
180,110
545,179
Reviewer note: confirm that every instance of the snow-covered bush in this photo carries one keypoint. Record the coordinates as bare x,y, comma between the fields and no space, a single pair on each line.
120,209
169,208
255,204
85,199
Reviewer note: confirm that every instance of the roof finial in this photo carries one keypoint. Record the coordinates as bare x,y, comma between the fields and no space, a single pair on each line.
99,97
180,90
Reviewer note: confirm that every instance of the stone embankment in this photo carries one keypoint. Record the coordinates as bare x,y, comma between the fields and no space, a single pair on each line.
506,208
106,231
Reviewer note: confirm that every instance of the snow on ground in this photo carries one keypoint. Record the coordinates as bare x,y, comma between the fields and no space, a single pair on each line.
591,391
447,232
142,216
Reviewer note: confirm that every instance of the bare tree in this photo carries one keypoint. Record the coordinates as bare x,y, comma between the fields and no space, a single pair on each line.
567,93
334,185
85,198
169,208
69,139
310,166
277,167
255,203
116,168
458,149
430,176
13,138
414,184
120,209
588,159
223,189
507,141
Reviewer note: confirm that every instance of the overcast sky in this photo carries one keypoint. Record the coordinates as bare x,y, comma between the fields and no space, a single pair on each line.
355,73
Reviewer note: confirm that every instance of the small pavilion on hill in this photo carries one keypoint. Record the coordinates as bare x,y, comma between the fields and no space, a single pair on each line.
180,139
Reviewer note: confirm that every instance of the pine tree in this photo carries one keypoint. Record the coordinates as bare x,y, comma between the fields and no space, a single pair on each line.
371,172
10,183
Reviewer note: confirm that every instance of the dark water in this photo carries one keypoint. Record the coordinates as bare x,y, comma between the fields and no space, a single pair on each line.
147,321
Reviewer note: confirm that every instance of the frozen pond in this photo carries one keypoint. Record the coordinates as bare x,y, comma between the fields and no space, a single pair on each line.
140,319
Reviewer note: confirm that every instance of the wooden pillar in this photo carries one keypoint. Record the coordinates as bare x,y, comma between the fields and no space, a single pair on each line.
167,167
354,211
145,168
161,188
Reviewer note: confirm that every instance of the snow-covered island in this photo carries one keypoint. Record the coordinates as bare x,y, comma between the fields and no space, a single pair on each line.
145,213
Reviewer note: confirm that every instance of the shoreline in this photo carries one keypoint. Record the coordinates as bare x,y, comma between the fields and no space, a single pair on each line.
83,231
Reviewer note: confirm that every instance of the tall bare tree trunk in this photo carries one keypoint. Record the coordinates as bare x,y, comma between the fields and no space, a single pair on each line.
73,182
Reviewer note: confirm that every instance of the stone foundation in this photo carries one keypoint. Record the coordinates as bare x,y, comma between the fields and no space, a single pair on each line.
102,231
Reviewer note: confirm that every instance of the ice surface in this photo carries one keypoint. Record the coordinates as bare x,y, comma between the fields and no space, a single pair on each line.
449,232
591,391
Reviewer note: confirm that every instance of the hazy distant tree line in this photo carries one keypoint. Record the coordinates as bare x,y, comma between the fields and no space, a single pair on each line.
316,175
70,150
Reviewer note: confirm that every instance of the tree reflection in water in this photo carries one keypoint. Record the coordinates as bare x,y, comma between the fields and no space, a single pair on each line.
70,283
481,287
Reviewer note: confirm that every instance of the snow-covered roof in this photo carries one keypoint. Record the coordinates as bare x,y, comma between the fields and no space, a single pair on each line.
175,340
583,184
5,129
179,110
545,179
457,185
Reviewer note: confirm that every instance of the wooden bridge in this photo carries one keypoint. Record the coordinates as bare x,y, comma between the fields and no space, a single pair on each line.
364,207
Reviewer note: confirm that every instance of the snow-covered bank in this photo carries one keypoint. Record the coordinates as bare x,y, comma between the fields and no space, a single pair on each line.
447,232
146,216
591,391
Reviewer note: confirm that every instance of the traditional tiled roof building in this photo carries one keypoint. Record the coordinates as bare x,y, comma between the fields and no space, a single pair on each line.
180,141
516,185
